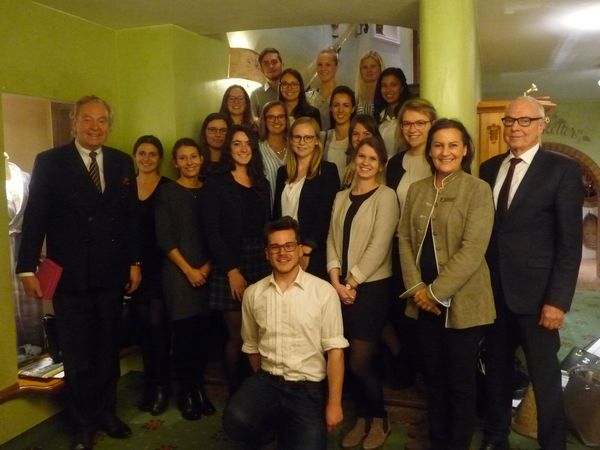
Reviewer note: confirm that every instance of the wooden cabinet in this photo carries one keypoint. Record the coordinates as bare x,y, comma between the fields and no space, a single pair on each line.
489,119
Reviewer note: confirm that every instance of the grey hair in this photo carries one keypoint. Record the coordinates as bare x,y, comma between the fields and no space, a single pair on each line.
533,101
89,99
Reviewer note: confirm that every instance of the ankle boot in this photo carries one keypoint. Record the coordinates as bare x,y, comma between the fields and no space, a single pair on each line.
189,405
378,433
206,406
356,434
160,400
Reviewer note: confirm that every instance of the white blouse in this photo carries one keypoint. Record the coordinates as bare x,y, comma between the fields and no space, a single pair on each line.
290,198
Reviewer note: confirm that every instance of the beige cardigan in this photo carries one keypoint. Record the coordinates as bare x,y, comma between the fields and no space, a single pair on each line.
373,227
462,216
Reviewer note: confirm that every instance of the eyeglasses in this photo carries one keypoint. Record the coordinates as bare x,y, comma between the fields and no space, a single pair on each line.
215,130
522,121
275,118
287,247
236,99
292,85
419,124
307,139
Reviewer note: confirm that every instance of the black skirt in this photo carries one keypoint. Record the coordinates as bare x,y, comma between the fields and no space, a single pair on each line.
366,317
253,267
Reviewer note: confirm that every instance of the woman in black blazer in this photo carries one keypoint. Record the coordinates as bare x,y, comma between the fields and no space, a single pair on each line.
305,190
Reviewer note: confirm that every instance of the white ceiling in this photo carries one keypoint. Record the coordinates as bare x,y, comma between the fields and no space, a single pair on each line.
520,41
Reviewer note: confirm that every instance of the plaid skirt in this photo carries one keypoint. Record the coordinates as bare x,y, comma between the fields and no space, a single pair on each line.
253,267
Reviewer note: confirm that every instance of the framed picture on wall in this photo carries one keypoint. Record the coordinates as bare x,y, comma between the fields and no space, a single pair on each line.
387,33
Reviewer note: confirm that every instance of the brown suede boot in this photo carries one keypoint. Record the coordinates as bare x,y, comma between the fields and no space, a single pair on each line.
356,434
378,433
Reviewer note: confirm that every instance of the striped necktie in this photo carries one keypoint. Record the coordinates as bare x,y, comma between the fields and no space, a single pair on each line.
95,171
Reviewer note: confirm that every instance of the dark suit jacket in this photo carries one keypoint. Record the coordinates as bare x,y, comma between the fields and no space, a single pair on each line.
535,252
92,236
314,211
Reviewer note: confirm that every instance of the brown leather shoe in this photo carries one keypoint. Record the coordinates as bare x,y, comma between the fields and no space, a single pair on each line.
115,427
84,440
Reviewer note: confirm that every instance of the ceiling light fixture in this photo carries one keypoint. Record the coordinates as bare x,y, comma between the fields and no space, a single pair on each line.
587,19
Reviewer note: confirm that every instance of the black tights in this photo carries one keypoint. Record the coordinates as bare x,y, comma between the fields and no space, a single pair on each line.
233,349
365,384
154,340
189,351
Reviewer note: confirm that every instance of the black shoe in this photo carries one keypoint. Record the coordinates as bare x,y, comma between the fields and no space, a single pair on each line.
495,446
84,440
190,405
115,427
206,406
160,401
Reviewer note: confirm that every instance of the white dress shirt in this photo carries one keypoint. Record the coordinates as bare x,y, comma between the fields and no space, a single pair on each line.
292,330
87,160
520,171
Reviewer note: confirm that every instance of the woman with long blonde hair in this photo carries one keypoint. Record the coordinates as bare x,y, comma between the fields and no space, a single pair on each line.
305,189
370,67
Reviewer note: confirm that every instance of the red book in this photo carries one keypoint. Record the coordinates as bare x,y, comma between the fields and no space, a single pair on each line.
49,275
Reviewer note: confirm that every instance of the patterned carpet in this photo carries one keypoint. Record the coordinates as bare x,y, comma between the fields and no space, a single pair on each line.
582,323
171,432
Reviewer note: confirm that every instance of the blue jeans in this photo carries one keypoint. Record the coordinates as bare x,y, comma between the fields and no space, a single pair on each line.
266,407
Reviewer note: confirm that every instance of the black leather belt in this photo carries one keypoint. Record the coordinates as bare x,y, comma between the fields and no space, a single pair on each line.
280,379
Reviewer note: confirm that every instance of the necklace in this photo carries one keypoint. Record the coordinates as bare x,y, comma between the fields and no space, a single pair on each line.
280,153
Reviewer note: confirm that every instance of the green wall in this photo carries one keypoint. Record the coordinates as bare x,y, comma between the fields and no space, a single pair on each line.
51,55
165,83
157,81
576,125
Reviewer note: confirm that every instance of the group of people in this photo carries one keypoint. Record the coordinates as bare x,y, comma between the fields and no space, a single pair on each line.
315,245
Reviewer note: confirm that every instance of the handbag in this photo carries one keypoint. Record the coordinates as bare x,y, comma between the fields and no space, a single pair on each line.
582,403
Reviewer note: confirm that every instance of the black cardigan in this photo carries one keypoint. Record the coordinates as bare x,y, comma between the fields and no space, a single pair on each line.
223,220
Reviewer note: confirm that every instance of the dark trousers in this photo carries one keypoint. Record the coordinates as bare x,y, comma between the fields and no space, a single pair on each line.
540,346
266,407
190,341
448,358
88,325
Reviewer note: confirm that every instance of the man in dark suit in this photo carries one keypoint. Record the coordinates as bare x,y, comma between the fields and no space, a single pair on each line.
534,257
82,200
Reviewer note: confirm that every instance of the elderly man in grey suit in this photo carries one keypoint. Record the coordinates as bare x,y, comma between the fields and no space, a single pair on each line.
534,256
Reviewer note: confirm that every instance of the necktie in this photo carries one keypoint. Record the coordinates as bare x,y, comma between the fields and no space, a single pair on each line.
95,172
502,205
